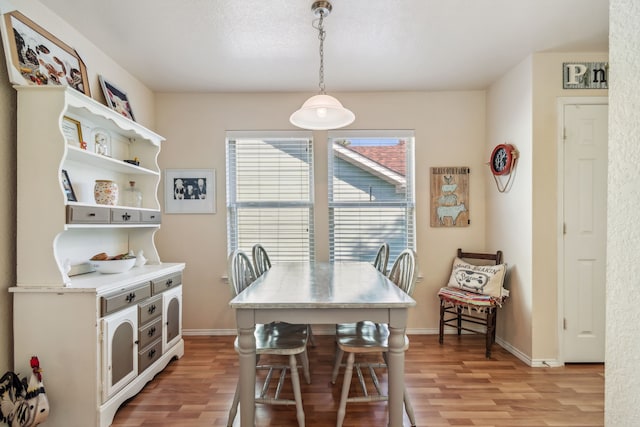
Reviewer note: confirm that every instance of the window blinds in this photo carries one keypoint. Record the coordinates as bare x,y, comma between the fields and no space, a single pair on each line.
371,194
270,196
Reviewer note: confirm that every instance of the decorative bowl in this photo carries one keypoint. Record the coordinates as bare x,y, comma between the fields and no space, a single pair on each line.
111,266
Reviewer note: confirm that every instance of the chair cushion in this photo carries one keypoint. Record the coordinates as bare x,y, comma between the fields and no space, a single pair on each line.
460,297
481,279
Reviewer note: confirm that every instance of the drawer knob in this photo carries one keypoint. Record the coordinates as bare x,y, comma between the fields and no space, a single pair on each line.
92,214
152,309
152,331
169,282
152,353
126,217
131,297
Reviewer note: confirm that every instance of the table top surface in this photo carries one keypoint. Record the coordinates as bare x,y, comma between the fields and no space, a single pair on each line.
322,285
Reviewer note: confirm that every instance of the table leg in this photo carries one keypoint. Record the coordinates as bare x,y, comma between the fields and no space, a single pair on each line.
396,375
247,358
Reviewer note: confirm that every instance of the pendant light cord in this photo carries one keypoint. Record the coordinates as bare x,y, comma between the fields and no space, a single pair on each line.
321,36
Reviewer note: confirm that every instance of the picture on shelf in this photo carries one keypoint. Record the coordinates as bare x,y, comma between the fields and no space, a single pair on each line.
37,57
190,191
73,132
68,189
116,98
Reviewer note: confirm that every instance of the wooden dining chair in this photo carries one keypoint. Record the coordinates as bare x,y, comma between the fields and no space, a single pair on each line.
277,339
261,261
369,337
473,295
381,260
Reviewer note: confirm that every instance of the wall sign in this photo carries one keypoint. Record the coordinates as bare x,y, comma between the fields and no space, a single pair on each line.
585,75
450,197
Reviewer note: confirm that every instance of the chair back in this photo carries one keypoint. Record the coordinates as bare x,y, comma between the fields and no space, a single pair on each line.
494,258
403,271
382,258
261,261
240,271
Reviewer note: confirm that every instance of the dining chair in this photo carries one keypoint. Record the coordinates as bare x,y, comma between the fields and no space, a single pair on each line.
369,337
277,339
382,258
473,295
261,261
261,264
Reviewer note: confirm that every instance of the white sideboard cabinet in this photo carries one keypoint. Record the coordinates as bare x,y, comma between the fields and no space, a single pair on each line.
99,337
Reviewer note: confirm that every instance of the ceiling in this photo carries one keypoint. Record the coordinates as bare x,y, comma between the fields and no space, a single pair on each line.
371,45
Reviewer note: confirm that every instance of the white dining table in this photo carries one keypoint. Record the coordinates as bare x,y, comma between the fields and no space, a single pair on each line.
321,293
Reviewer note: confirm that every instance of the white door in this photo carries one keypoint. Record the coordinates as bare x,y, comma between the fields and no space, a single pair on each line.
585,220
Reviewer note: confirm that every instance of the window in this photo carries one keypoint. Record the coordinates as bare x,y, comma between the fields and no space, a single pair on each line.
270,194
371,194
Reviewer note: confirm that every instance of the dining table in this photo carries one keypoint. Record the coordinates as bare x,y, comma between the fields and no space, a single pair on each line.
321,293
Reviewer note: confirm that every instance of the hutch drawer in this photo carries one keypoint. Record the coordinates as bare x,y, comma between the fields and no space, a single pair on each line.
165,283
122,299
149,309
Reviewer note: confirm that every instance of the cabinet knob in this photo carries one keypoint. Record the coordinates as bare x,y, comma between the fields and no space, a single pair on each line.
152,309
151,353
92,214
169,283
131,297
126,217
152,331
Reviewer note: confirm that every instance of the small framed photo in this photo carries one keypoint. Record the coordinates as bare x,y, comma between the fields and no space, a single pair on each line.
68,189
190,191
72,130
116,98
37,57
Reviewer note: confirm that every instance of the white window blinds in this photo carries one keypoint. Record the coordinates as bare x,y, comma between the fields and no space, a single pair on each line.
270,195
371,194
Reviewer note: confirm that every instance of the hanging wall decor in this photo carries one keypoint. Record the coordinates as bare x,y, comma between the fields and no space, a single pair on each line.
450,196
503,161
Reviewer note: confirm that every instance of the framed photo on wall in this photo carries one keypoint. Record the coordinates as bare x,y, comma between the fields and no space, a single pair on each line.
37,57
116,98
189,191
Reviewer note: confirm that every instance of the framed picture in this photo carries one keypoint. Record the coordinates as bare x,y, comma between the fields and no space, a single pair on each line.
190,191
68,189
450,196
116,98
37,57
72,130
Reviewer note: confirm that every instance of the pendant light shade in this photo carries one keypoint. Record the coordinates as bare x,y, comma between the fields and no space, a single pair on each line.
322,112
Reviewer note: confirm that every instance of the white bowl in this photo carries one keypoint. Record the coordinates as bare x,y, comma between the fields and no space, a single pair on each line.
113,265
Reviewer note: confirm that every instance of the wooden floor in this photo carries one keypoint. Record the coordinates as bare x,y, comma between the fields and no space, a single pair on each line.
450,385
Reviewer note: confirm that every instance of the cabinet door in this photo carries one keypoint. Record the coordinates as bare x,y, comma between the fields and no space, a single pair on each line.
119,350
172,317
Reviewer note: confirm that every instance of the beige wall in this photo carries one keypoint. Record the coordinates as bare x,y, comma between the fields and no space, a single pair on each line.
509,112
96,62
449,129
547,87
622,385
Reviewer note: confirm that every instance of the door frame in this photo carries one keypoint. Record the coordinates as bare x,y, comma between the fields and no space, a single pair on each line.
561,103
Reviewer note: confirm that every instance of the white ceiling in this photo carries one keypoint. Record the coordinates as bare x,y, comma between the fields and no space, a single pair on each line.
270,45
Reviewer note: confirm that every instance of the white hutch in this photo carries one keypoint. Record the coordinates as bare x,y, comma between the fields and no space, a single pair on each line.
99,337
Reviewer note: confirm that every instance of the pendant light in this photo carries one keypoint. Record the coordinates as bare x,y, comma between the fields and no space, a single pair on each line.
322,111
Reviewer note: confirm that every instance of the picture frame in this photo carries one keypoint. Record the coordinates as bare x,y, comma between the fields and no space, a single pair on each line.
116,98
72,130
37,57
66,185
190,191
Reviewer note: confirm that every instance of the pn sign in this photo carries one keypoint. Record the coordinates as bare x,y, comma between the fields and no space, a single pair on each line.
585,75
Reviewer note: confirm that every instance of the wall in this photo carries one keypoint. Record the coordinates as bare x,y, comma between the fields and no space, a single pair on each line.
449,129
547,87
509,114
522,110
96,62
622,385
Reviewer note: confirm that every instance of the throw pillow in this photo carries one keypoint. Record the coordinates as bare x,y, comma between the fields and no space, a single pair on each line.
483,279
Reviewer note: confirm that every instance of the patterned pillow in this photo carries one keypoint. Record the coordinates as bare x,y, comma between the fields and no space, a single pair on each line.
483,279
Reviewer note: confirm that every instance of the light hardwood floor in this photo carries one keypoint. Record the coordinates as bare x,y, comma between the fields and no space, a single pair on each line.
450,385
